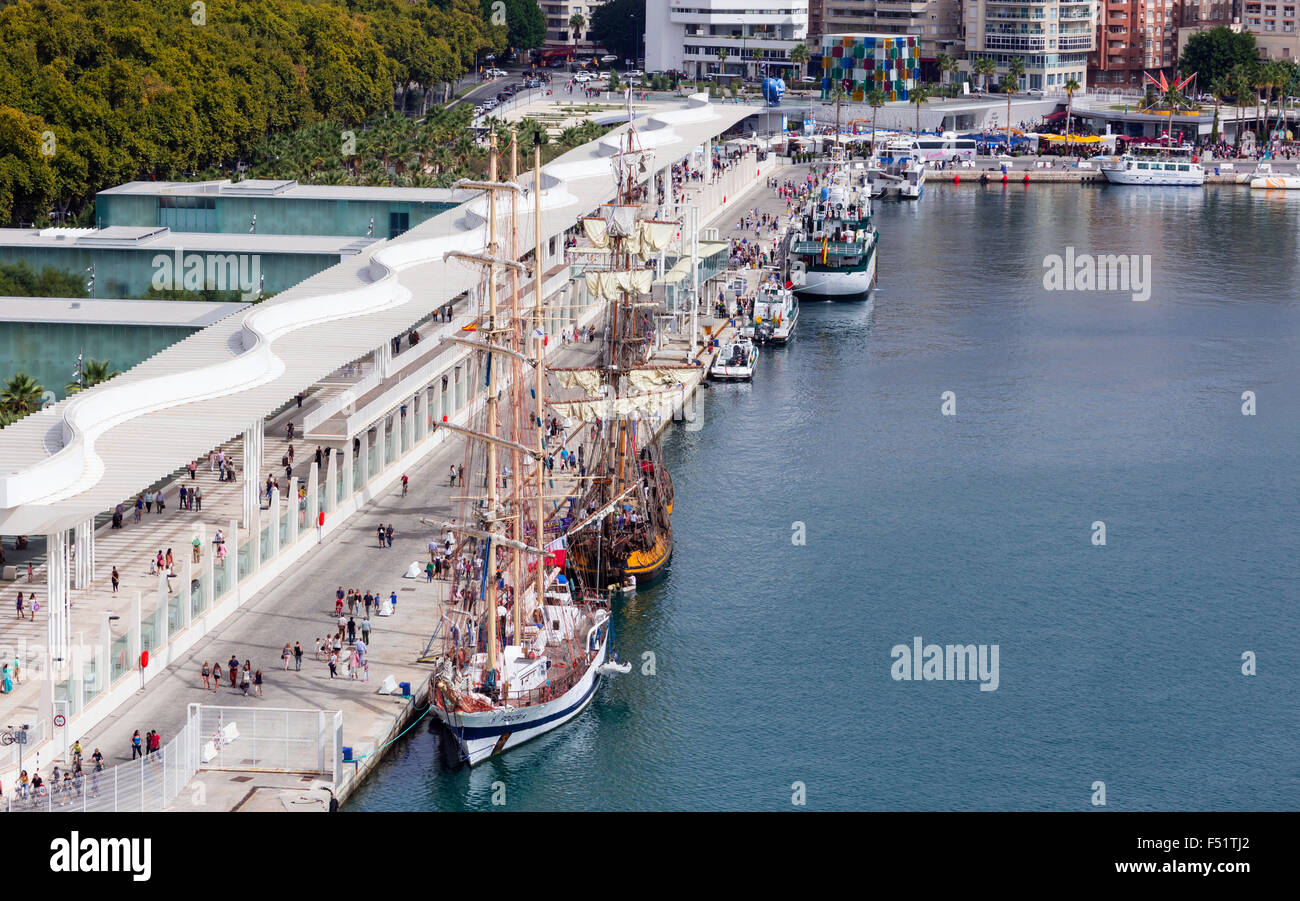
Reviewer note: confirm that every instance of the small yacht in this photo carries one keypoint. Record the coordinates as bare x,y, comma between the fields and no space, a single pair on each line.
1155,165
903,165
735,360
776,312
1264,178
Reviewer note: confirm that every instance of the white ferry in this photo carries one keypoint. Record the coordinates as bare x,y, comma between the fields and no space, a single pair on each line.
1155,165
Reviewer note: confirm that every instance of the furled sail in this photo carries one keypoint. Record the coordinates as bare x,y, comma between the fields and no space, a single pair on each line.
611,283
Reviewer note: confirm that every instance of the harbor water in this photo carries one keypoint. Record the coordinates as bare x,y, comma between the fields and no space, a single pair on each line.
1119,663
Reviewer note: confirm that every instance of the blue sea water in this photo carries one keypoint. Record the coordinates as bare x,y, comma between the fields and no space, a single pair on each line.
1119,664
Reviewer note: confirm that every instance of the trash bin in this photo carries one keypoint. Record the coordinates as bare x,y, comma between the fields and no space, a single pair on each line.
406,688
347,754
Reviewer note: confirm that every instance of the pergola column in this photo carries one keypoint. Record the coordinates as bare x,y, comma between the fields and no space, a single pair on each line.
58,599
294,506
254,438
84,544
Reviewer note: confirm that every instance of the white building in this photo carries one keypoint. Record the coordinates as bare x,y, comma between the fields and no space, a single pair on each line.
688,35
1052,39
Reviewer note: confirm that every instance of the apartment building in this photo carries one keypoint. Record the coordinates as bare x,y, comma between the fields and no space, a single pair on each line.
1274,24
1052,38
1136,36
558,13
730,37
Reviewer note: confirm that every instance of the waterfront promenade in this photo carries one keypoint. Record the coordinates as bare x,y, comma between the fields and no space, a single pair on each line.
300,607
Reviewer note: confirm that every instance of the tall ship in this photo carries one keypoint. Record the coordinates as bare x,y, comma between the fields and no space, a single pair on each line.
833,254
517,653
620,530
1155,165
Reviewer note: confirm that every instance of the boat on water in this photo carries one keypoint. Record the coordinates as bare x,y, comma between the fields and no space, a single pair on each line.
775,314
1155,165
735,360
902,166
1264,178
517,654
832,253
621,528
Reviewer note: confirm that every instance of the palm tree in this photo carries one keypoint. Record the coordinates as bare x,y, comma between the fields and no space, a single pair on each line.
920,94
1220,88
942,60
1070,87
21,395
1011,84
954,66
722,59
875,100
799,56
92,373
577,22
985,67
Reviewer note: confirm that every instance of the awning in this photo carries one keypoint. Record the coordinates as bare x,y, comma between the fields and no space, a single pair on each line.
1054,117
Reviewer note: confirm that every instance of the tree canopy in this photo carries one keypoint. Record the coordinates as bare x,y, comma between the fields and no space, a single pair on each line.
98,92
1213,53
617,25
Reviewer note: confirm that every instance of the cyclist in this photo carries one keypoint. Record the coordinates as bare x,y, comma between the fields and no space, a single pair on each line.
405,481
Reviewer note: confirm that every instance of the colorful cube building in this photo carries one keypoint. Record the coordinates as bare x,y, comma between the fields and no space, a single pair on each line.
857,63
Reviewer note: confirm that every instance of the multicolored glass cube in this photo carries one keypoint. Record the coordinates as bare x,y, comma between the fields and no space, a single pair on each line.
858,63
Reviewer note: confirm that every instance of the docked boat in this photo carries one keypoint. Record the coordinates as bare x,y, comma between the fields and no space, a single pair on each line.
833,254
902,167
775,315
1264,178
621,530
1155,165
735,360
516,654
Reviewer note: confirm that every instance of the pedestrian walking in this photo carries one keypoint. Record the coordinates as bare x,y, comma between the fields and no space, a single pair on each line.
388,534
380,532
297,657
232,667
136,742
365,630
216,676
159,500
352,631
286,654
245,677
257,683
334,659
207,676
428,573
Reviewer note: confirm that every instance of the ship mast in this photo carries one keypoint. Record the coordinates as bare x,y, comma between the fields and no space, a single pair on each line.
489,552
516,387
539,338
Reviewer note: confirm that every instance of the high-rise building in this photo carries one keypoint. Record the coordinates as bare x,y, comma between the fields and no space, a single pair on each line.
1274,24
1052,39
558,13
731,37
936,24
1136,36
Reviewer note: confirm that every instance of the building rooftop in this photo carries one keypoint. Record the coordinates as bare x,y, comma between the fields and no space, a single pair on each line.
130,237
288,189
80,456
81,311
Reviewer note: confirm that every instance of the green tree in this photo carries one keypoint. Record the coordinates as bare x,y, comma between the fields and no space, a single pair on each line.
985,67
577,22
919,95
941,61
799,56
1070,87
1216,52
1220,88
93,372
21,395
617,25
1011,84
21,280
875,99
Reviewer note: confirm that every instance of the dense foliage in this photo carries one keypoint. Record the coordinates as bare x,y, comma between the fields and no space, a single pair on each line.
617,25
1215,52
21,280
97,92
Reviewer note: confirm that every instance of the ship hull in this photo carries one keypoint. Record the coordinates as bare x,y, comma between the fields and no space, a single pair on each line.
481,736
645,565
828,285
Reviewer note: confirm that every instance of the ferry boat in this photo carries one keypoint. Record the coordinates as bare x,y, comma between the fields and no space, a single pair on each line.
833,252
1155,166
1264,178
776,313
735,360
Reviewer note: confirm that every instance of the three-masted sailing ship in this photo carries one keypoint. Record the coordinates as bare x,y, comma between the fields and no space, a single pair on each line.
620,518
520,654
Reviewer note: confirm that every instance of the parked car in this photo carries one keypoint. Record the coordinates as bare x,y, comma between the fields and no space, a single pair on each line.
609,58
502,97
583,76
1034,92
495,73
